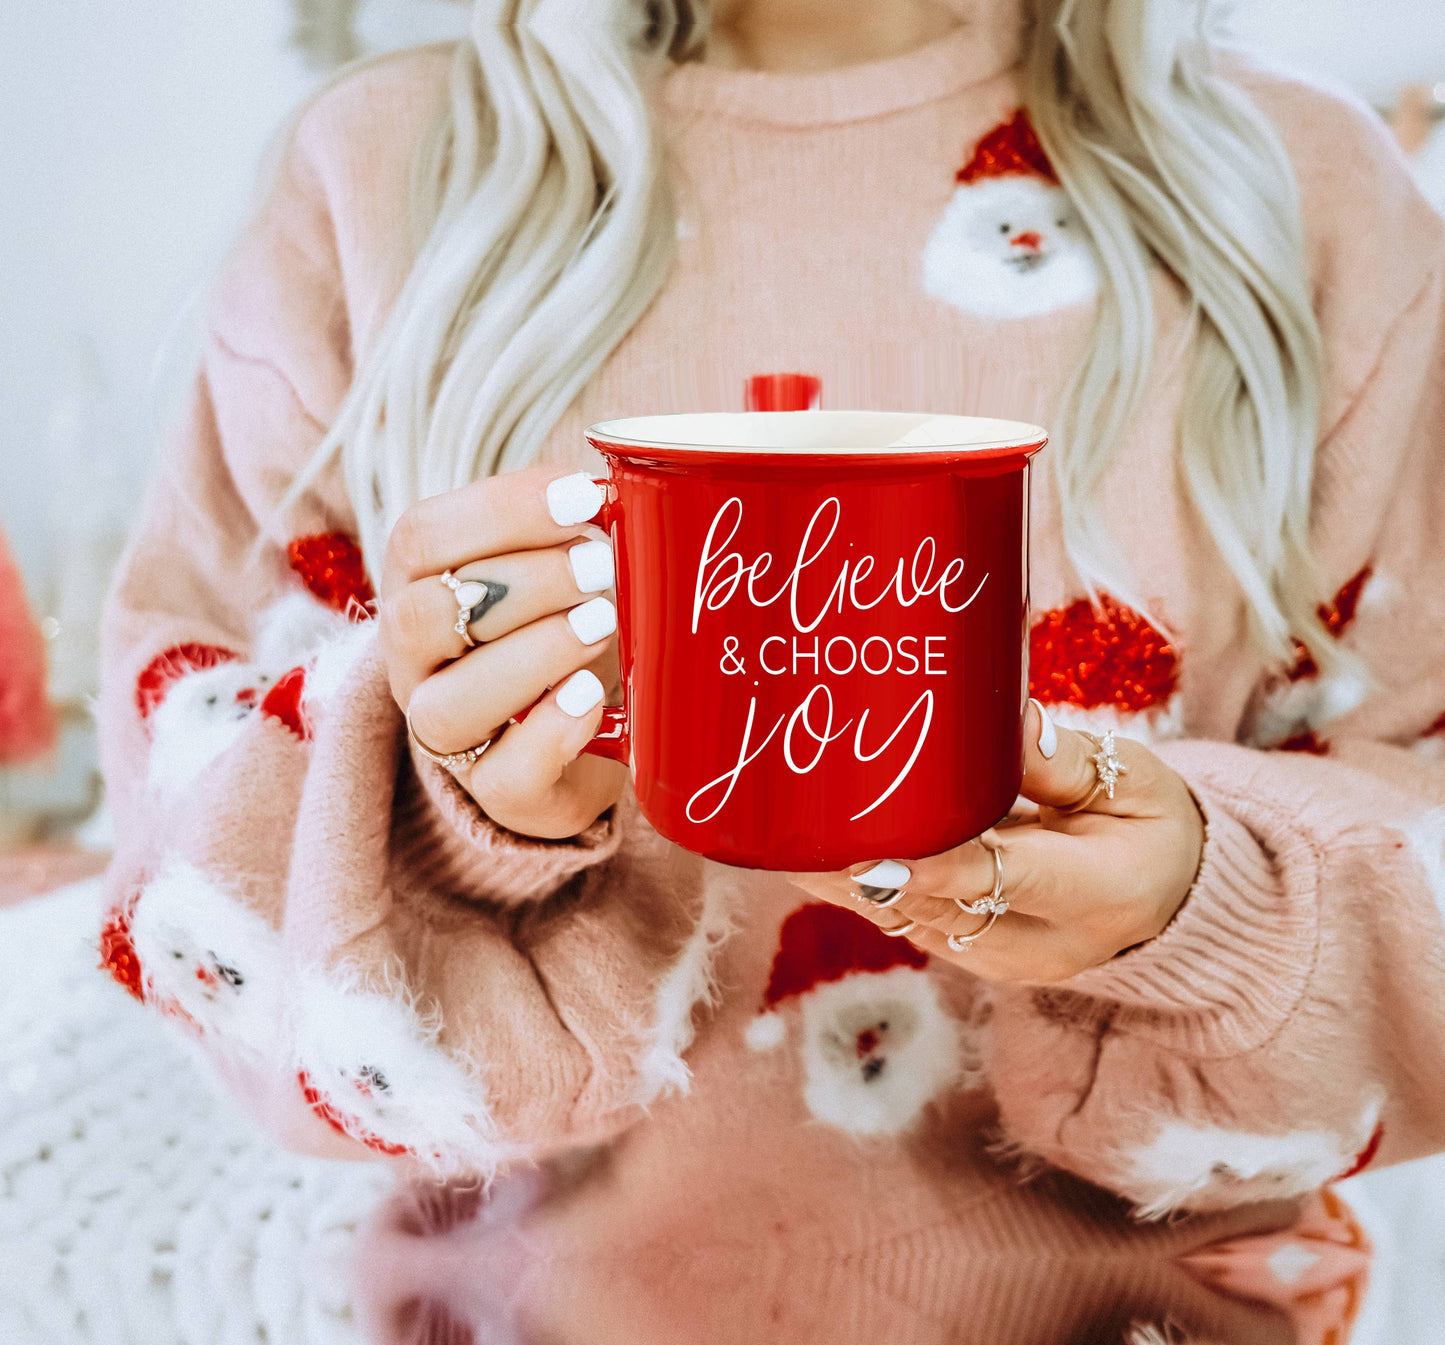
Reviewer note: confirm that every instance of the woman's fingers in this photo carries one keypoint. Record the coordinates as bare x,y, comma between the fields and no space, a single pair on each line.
532,778
517,511
1061,772
510,591
468,701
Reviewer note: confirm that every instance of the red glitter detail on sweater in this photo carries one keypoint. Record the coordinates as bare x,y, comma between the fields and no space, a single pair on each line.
1366,1156
1337,616
283,703
167,668
1308,741
819,943
340,1122
1112,657
117,951
1009,150
331,566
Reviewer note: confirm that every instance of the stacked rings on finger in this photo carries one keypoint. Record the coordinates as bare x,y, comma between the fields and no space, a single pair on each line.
992,906
448,760
1107,770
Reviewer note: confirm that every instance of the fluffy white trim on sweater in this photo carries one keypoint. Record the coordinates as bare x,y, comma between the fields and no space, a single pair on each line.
1208,1167
877,1048
377,1060
688,983
200,715
292,629
205,949
1309,704
199,719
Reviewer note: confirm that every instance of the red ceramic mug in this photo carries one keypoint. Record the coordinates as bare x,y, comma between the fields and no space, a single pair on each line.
823,629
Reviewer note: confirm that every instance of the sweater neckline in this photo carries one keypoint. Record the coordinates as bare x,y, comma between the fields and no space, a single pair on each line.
983,45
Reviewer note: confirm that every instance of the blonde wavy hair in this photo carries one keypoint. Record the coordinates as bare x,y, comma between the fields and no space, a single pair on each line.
545,227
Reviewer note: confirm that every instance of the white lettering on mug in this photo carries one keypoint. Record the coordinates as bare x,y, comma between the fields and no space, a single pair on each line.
725,574
720,572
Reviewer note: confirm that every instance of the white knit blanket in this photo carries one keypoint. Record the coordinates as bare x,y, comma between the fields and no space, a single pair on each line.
138,1206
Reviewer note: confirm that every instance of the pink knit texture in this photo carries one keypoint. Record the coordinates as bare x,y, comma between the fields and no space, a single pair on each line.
471,998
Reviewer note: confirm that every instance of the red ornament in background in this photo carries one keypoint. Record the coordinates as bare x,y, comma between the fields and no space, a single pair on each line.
1009,150
117,952
1337,616
169,666
28,726
330,564
1093,659
782,392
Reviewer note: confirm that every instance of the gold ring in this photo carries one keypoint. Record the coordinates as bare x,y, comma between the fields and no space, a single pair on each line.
450,760
1107,770
470,594
961,944
994,902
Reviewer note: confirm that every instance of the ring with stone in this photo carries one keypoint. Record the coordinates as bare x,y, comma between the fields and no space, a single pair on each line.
1107,770
451,761
470,595
995,903
962,943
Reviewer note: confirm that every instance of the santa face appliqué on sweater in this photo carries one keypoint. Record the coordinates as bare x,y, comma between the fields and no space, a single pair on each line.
1010,244
877,1044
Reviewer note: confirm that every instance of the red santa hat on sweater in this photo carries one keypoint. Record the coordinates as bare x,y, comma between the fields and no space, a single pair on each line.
1011,149
819,943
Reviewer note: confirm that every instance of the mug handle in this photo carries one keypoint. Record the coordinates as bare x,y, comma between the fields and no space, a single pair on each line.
613,738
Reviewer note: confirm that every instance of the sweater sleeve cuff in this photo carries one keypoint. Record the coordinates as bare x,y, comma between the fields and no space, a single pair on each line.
1233,963
468,853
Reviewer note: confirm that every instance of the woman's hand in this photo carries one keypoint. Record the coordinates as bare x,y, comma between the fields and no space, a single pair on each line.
1081,887
542,628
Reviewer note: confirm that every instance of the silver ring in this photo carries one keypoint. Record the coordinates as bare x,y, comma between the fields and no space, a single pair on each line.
891,896
907,927
449,760
961,944
1107,770
473,598
995,903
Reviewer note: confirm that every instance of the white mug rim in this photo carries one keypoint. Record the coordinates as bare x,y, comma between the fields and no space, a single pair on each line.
808,432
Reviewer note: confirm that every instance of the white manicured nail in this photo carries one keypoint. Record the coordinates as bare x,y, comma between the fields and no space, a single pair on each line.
579,693
594,620
592,566
886,873
1048,735
573,499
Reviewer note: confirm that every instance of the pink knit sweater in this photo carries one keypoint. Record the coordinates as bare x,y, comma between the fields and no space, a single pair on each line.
379,969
